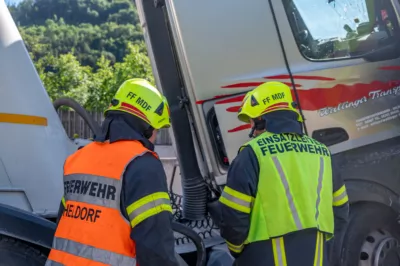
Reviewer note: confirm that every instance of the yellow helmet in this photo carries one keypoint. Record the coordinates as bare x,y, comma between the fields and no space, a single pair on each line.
268,97
141,99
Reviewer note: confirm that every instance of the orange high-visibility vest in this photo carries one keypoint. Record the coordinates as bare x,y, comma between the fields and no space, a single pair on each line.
92,230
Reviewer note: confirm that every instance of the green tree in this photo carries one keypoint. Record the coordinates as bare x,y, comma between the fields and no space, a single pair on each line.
107,78
87,28
84,49
65,77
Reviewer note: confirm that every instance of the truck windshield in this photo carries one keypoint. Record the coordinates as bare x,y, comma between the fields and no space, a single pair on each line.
328,29
328,20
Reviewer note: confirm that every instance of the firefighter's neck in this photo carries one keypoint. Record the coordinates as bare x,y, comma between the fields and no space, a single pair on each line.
153,137
256,132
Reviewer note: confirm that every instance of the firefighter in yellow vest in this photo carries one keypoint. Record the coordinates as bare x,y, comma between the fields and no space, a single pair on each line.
281,202
116,209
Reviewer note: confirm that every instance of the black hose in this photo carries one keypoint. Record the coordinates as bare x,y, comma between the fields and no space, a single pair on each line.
198,242
195,190
94,126
271,6
171,183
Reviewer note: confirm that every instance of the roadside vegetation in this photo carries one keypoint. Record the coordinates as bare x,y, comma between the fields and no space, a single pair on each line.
83,49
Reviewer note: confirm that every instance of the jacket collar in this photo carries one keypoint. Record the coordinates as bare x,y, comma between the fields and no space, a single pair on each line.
115,128
283,122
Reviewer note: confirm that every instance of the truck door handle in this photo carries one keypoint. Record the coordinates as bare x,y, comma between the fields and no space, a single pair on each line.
330,136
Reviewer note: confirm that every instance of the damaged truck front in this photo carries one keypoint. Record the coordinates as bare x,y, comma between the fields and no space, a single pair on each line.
342,61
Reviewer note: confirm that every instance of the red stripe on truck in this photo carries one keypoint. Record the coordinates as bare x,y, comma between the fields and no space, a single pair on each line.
252,84
240,128
317,98
300,77
390,68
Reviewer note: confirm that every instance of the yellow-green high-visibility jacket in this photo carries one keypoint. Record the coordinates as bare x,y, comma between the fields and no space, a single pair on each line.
296,181
278,184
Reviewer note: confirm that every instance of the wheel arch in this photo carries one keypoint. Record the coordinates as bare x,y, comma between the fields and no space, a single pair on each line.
367,199
364,191
27,227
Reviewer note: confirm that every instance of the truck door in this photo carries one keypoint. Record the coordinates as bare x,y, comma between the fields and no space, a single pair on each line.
230,48
224,48
344,59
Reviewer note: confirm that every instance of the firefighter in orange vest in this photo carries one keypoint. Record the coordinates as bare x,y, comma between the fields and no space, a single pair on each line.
116,209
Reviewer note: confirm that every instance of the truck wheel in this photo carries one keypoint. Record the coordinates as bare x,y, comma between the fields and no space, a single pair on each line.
372,236
16,253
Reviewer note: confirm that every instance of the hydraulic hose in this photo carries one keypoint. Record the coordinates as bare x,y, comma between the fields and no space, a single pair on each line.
195,190
80,110
198,242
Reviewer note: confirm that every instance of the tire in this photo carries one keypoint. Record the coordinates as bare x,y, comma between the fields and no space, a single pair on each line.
366,218
14,252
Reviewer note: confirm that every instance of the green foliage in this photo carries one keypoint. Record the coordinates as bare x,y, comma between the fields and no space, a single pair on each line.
75,12
87,42
83,49
64,76
108,78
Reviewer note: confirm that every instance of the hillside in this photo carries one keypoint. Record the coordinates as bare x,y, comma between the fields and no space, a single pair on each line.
83,48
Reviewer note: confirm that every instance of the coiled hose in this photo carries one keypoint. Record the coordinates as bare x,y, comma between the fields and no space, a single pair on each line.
93,125
198,242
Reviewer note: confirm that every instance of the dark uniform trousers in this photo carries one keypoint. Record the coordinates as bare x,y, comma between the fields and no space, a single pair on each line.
300,249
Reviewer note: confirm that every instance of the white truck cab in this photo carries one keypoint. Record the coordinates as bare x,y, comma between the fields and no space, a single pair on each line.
342,60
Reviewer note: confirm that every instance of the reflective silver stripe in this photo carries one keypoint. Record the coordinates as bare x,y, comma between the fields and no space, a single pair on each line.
92,253
53,263
238,201
147,207
288,193
93,189
319,188
279,252
340,197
